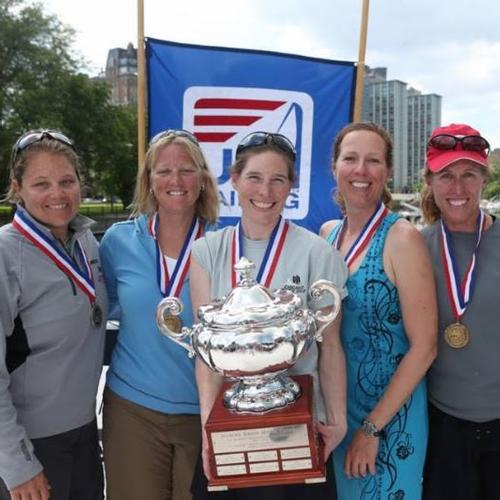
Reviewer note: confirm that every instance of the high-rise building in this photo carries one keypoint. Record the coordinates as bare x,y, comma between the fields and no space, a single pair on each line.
424,114
386,103
121,75
408,116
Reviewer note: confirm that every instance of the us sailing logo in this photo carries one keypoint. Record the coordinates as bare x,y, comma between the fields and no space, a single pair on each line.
221,116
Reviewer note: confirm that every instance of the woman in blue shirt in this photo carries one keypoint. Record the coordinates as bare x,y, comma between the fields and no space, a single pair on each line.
151,425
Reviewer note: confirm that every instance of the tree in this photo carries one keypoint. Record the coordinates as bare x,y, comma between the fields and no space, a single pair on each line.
41,85
493,187
34,52
115,168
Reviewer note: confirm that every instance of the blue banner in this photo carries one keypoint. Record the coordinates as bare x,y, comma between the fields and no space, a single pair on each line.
223,94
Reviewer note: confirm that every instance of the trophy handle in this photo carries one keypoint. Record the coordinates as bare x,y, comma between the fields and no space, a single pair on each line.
173,307
318,288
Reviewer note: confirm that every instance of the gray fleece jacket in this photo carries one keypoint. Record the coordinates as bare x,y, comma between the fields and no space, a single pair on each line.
50,353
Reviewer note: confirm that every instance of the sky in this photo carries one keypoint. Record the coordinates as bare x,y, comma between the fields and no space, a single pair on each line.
447,47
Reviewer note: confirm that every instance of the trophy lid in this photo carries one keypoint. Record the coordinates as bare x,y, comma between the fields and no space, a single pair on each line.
250,304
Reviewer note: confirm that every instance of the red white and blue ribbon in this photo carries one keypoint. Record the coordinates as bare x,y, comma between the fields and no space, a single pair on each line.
364,236
271,256
82,278
171,284
459,293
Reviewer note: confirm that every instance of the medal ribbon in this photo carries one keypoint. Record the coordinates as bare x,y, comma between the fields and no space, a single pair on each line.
271,256
172,284
83,279
364,236
459,293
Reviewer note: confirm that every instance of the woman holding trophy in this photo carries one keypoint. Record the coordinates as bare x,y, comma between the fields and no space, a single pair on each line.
151,414
388,327
263,175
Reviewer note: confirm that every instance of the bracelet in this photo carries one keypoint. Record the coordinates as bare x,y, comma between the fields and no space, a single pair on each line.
370,429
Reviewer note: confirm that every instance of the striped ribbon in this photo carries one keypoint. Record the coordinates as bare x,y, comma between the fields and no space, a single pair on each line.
459,293
271,256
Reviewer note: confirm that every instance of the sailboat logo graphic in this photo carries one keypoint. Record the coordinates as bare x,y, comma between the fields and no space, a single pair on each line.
221,116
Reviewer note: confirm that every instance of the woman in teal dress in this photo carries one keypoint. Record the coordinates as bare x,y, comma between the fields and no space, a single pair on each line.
388,327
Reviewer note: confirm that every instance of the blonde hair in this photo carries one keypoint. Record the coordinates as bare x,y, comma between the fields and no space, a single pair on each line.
20,161
430,211
337,146
207,204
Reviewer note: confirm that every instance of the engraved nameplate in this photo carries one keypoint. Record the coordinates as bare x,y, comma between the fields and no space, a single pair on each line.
262,456
296,464
231,458
231,470
263,438
264,467
295,453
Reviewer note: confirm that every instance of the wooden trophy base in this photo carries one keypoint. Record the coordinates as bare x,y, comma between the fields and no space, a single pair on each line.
263,449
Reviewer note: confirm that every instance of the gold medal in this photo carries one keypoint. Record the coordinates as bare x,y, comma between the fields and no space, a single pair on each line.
456,335
173,323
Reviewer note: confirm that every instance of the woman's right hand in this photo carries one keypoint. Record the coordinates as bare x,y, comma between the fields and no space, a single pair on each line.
361,455
37,488
205,455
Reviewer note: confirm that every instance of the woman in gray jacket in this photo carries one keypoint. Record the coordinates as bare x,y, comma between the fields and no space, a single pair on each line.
52,320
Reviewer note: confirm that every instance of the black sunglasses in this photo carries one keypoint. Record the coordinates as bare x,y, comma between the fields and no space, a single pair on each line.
31,137
469,142
256,139
177,133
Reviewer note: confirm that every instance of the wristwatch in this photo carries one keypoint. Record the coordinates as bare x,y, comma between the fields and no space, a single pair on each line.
370,429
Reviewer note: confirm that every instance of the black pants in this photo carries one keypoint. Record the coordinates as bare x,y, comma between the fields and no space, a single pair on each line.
463,459
72,463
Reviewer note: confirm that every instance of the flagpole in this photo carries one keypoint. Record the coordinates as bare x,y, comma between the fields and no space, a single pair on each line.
360,73
141,86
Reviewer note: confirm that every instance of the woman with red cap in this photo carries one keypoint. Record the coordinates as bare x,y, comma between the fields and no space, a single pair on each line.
463,456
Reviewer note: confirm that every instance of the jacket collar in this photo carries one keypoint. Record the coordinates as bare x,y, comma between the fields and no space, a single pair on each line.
78,225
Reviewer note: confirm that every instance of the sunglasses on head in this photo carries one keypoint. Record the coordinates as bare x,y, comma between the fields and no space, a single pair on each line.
468,142
256,139
30,138
176,133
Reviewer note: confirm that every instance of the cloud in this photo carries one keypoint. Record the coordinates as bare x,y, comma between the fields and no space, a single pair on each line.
465,72
448,48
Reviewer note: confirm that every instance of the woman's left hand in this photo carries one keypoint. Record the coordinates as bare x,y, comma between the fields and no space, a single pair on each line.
332,435
361,455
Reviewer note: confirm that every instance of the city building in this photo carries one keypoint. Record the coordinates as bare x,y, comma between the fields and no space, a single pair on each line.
408,116
424,114
121,75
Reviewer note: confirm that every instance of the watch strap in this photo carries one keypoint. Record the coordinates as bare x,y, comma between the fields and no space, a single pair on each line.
370,429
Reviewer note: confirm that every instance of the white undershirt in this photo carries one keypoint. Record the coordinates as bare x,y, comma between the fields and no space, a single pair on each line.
171,263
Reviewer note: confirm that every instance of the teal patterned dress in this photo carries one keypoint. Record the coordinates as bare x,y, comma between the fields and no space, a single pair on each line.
375,341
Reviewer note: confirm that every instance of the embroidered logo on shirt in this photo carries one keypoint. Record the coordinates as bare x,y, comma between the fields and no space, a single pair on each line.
294,285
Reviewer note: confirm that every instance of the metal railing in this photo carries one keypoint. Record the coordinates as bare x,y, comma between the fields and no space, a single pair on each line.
103,217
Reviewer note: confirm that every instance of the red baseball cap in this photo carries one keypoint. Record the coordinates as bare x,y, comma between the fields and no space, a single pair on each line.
438,159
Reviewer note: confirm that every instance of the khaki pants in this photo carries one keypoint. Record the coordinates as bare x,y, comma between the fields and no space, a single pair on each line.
148,455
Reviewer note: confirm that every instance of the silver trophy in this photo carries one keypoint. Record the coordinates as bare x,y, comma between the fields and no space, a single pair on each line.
254,336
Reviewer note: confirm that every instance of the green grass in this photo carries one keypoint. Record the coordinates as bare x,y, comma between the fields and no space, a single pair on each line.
85,209
5,209
100,208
